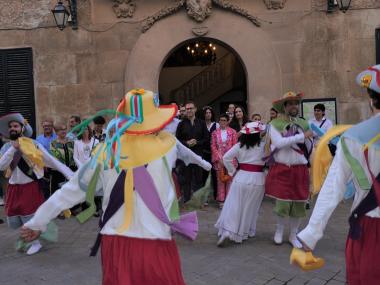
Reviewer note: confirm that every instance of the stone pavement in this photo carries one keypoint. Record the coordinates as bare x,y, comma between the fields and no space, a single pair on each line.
256,261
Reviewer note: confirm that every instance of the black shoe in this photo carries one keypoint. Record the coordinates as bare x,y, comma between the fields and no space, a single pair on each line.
1,221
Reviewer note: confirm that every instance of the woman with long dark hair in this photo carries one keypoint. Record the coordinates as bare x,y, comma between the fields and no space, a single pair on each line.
237,221
240,119
83,147
209,118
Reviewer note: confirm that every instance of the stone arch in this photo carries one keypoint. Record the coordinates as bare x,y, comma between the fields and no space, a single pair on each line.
256,54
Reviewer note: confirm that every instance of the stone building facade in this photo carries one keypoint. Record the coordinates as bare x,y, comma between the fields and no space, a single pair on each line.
122,44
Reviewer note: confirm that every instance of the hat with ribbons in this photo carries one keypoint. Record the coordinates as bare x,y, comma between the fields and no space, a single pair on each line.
145,106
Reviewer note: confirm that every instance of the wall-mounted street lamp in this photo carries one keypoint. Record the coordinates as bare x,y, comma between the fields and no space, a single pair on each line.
62,15
343,5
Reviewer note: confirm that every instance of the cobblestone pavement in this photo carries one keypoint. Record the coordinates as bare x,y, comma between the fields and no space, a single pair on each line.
256,261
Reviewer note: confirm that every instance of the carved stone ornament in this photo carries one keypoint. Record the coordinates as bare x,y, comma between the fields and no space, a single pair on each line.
199,10
275,4
124,8
200,31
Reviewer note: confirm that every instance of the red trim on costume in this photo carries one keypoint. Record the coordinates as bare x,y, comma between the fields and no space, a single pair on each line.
23,199
377,74
288,183
150,131
121,106
138,261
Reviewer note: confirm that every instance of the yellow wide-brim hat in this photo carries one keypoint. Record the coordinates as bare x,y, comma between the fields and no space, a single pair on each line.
288,96
144,105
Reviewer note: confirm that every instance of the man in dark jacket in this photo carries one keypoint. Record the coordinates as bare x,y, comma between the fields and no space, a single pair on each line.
192,132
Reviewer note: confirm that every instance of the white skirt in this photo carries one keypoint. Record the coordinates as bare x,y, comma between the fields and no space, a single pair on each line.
237,221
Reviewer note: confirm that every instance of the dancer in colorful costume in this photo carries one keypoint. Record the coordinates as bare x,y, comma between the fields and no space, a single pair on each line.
24,160
140,207
237,221
288,176
357,156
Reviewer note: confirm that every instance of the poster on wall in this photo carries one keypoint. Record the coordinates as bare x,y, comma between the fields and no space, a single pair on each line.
307,108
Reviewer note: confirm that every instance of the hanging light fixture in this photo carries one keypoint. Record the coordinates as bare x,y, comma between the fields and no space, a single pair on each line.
62,15
344,5
203,52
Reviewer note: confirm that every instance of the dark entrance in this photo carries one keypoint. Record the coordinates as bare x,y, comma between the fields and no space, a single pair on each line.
205,71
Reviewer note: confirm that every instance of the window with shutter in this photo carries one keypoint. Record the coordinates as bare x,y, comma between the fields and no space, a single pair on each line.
17,84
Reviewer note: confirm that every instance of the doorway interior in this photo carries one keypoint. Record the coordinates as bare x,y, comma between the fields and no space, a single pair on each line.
206,72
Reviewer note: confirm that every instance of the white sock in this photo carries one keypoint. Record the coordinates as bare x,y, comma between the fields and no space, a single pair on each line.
294,225
34,248
279,229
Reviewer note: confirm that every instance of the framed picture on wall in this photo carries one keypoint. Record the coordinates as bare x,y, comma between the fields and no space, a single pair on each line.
307,108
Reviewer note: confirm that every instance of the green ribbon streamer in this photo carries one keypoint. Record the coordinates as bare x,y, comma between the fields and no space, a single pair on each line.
90,197
356,167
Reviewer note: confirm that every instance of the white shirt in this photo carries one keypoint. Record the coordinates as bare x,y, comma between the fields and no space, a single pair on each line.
172,126
223,134
18,177
82,151
144,223
285,153
325,127
334,187
253,155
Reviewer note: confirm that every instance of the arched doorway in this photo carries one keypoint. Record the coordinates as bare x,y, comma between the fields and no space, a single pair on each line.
205,71
263,73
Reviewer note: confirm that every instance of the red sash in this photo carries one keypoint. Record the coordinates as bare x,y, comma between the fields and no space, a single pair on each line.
251,167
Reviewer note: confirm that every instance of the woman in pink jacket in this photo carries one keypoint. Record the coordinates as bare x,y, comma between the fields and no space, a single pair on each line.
222,140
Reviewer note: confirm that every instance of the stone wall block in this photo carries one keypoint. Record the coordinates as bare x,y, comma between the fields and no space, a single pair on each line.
42,101
87,67
102,98
361,24
111,65
55,69
107,41
361,53
11,39
117,93
81,41
322,27
48,40
129,34
316,56
288,54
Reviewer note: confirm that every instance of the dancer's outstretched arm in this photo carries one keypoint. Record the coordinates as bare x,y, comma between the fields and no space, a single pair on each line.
187,156
68,196
331,194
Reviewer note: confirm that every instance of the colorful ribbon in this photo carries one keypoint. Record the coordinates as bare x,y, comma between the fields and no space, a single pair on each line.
187,225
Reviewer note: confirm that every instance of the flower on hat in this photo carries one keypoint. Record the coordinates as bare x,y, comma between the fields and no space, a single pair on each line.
366,80
138,91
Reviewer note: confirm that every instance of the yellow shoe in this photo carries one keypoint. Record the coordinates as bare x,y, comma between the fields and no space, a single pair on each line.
306,260
67,213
